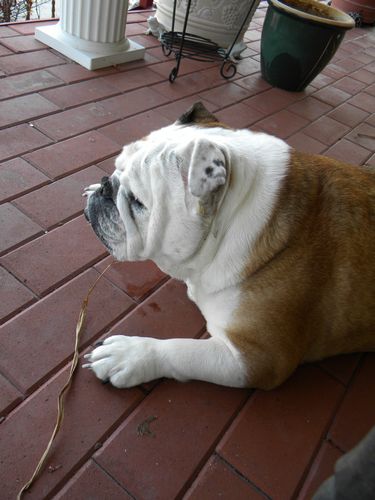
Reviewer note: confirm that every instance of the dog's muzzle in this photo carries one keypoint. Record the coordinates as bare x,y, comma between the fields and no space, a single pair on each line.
101,212
107,191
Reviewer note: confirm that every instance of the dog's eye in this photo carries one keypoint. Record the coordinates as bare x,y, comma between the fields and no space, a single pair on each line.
135,203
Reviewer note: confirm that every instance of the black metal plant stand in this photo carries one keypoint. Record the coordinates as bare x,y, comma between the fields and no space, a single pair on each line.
190,46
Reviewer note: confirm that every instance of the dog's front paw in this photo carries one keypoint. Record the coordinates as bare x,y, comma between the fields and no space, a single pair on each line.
124,361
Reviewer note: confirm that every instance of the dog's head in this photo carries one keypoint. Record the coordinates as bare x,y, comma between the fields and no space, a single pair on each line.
163,196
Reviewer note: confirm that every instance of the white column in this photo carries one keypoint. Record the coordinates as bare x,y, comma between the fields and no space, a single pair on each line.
92,33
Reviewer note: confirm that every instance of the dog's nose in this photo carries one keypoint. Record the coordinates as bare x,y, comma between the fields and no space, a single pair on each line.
106,188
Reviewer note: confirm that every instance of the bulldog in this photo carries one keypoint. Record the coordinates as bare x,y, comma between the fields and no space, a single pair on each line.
276,248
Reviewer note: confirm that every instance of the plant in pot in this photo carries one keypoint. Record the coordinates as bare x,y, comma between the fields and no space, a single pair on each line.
299,38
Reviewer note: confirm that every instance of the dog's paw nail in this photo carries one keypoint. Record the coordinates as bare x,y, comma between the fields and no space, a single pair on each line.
106,381
98,343
86,365
87,356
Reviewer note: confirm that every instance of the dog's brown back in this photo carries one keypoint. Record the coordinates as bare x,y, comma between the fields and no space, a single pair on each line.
309,290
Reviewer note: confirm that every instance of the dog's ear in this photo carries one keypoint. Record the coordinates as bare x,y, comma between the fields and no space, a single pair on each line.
208,169
197,114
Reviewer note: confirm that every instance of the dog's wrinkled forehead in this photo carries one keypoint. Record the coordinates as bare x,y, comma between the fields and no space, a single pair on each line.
146,153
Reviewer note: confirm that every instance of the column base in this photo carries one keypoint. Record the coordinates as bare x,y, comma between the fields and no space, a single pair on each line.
90,55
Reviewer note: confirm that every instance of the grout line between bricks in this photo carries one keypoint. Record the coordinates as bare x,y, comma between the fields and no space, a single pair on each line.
112,477
241,476
211,450
13,383
89,453
327,428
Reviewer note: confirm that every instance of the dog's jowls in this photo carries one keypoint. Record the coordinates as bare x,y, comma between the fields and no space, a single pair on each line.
276,248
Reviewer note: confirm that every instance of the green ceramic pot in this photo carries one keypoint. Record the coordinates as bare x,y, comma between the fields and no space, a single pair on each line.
299,38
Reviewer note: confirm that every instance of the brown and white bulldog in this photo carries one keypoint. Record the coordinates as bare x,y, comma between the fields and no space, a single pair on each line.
276,248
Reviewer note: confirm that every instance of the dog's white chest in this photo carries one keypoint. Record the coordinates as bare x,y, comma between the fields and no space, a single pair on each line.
217,308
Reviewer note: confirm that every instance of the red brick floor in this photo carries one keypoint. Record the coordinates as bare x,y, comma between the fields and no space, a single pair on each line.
60,128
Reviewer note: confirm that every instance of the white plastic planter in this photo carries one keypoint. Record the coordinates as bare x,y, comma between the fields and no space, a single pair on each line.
92,33
217,20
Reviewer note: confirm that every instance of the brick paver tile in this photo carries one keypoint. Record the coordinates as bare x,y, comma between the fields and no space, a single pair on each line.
93,483
9,396
248,66
348,115
310,108
321,81
190,419
80,93
371,161
364,76
22,43
146,41
17,176
321,469
332,95
334,72
350,85
254,84
7,31
56,256
60,201
92,412
225,95
349,64
26,28
363,101
4,51
364,58
89,116
363,135
139,77
166,314
13,295
303,142
326,130
25,83
239,115
107,165
137,279
356,415
21,359
218,480
274,438
73,72
282,124
348,152
73,154
15,227
188,66
19,63
134,128
252,35
273,100
135,29
20,139
20,109
77,120
186,85
371,89
341,367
